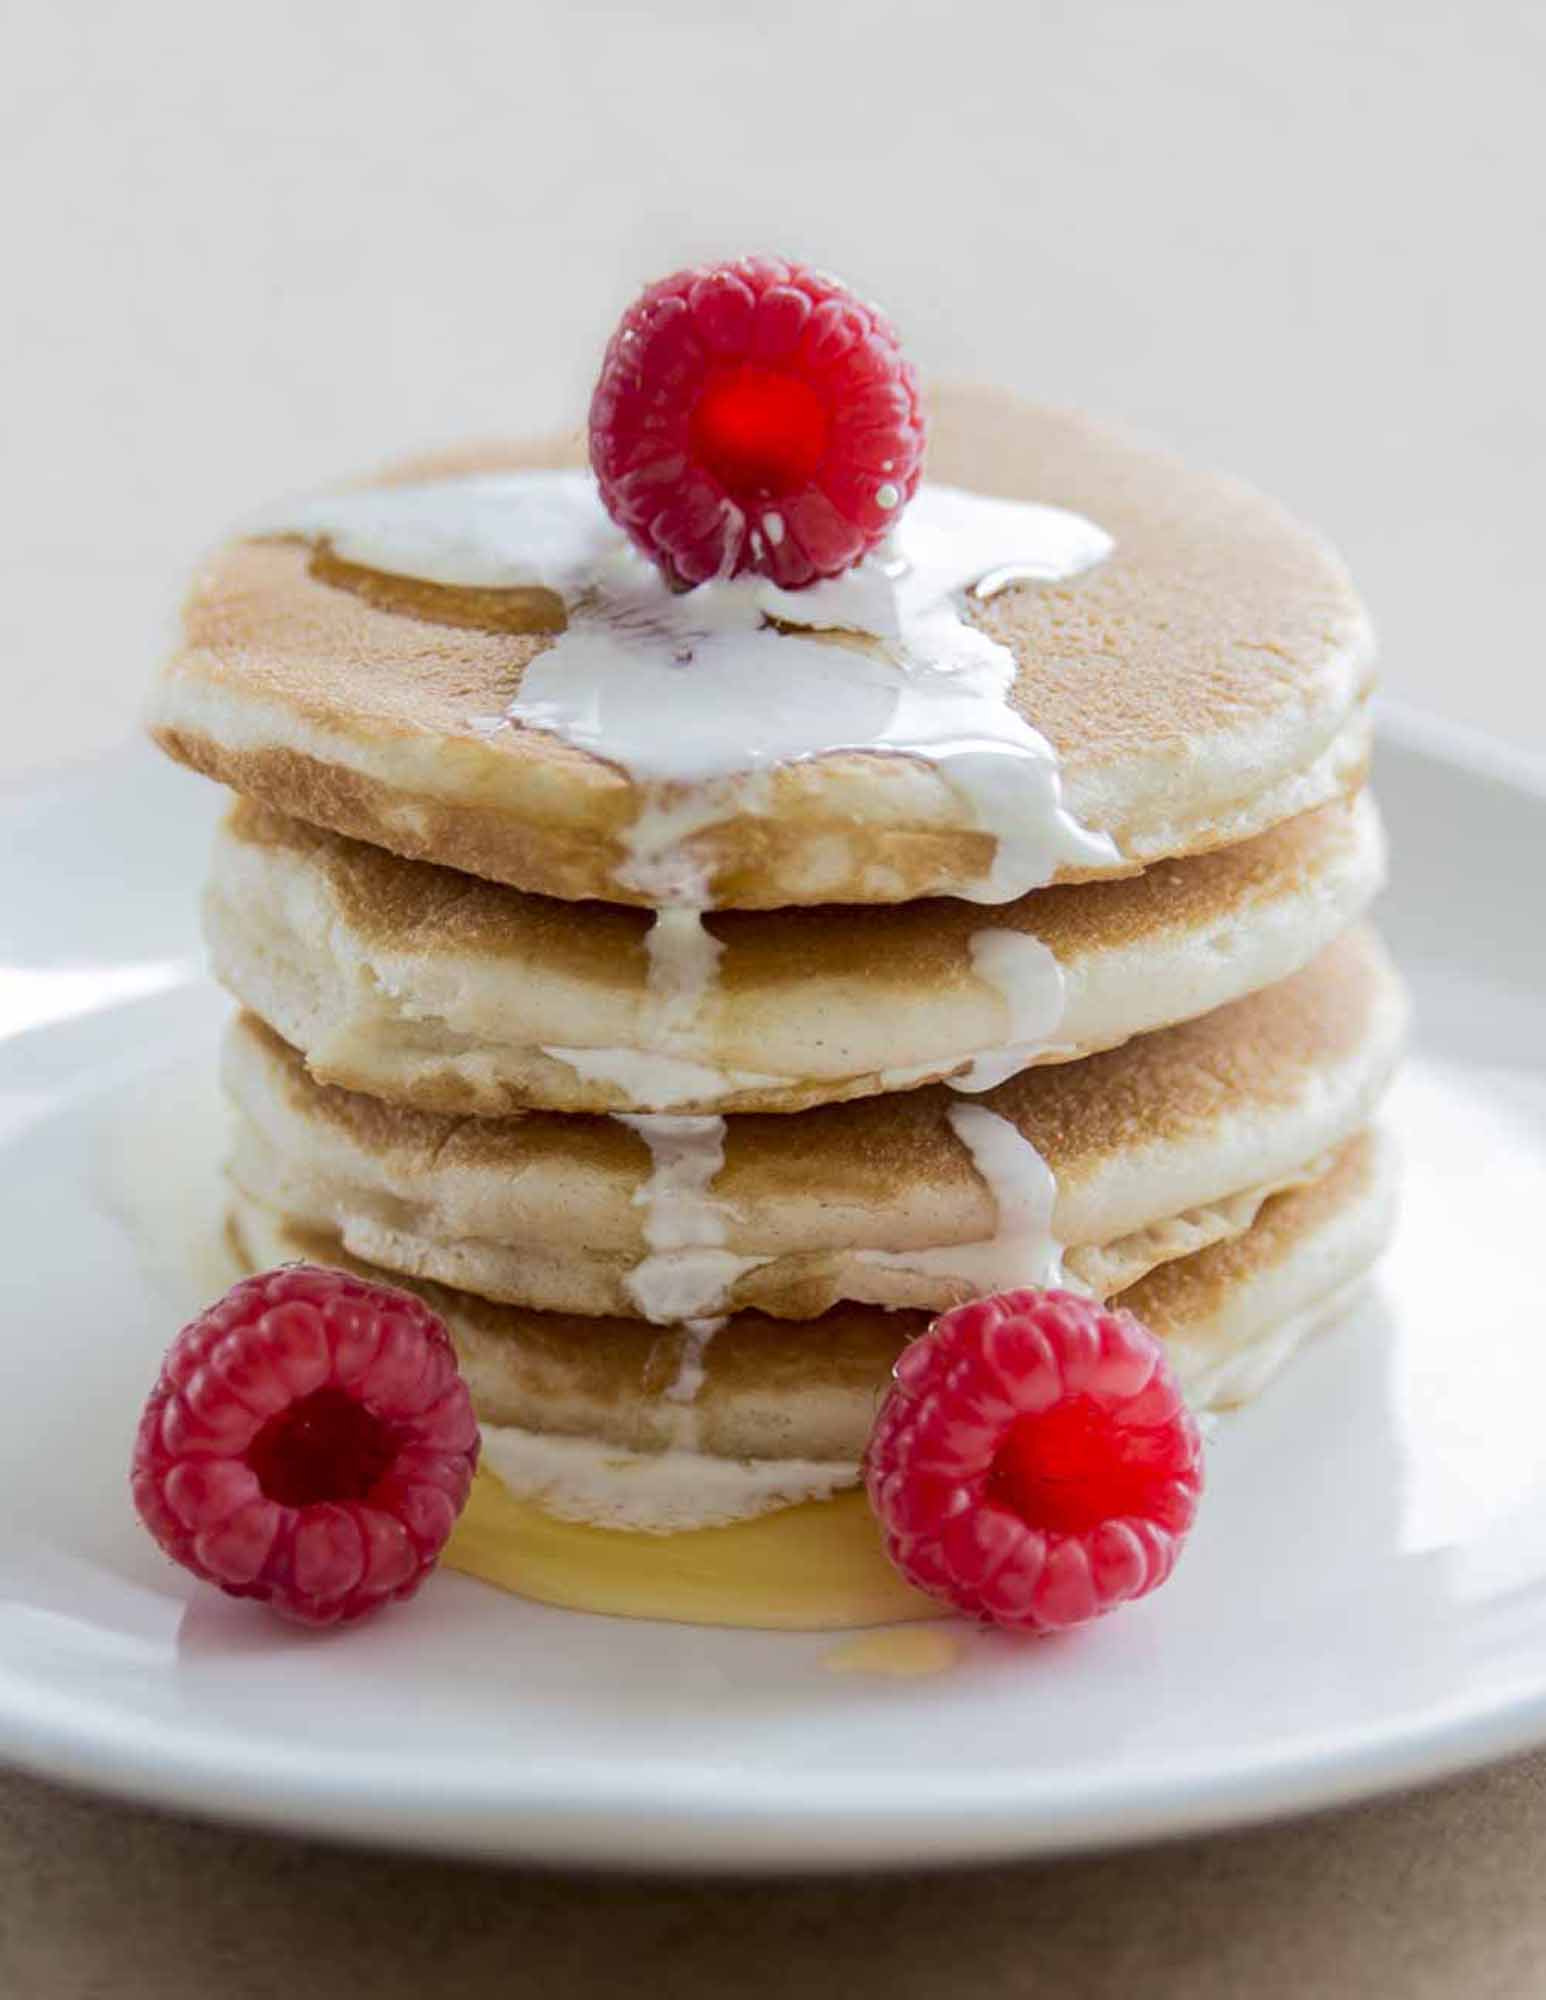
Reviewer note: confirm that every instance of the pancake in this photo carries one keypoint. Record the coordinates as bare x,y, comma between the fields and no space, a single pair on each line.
914,1200
438,990
1202,681
613,1422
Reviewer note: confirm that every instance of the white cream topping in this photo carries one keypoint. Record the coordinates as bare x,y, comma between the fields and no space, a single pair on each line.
683,957
666,1069
644,1077
688,1274
1022,1249
698,696
1029,980
692,1370
580,1479
684,960
532,530
685,1387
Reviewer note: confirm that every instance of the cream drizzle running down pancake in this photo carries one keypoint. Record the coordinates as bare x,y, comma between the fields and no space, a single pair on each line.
683,957
688,1272
1029,980
1022,1249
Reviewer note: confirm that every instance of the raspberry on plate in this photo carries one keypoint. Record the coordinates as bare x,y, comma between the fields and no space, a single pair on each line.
309,1442
1034,1464
755,416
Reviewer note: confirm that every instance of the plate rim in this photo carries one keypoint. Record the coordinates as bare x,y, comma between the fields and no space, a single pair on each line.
655,1827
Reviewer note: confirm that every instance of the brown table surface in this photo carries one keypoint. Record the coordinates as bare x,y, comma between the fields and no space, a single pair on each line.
1442,1893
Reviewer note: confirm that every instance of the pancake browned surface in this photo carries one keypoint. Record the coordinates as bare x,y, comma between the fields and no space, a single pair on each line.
1203,683
842,1202
434,988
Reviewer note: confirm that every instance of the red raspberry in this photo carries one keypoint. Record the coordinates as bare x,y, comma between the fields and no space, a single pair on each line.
309,1442
755,416
1034,1464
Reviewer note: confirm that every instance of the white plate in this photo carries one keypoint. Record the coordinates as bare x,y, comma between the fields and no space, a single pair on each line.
1363,1605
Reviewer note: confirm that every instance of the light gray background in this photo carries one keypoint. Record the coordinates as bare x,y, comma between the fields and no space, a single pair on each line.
244,248
249,248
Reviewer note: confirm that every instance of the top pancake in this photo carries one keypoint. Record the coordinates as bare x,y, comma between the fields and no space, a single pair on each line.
1204,682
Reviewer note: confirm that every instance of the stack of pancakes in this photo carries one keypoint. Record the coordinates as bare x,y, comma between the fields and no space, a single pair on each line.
689,1099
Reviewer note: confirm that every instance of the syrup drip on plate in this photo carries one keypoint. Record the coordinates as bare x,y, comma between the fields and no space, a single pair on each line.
895,1652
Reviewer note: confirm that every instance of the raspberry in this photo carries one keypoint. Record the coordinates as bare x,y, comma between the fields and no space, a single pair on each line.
755,416
1034,1464
309,1442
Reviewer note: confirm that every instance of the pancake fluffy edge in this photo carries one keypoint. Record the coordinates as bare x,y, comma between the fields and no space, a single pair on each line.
435,989
1207,681
806,1393
1182,1130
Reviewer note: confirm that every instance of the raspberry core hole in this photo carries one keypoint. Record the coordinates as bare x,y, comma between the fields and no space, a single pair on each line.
325,1447
1074,1466
761,433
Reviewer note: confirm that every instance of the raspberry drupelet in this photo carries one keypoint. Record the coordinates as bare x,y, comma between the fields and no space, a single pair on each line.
309,1442
755,416
1034,1464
